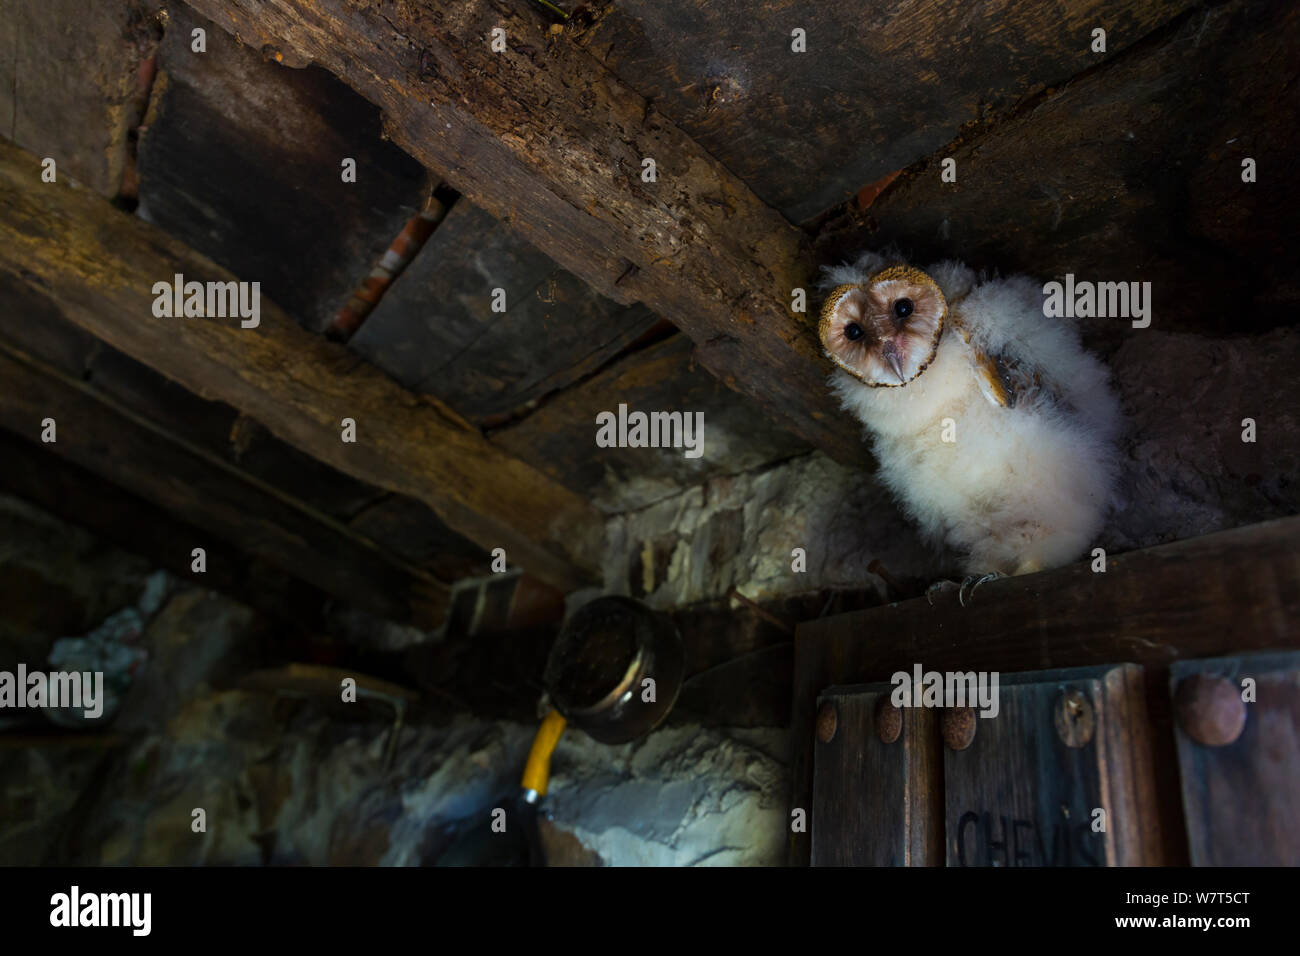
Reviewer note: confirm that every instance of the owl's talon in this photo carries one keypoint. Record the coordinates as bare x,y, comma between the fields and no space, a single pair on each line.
973,581
942,584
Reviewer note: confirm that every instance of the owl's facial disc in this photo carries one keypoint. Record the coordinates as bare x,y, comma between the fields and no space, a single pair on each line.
884,332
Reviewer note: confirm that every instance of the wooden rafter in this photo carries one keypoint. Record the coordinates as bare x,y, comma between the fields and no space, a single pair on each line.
34,473
544,137
219,500
98,267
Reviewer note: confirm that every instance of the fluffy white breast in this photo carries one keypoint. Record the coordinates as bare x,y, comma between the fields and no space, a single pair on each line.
943,389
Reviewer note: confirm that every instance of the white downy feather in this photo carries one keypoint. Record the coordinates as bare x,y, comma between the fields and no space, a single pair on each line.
1021,488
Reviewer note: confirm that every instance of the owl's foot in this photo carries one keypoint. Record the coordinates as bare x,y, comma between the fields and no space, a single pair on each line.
973,581
943,584
965,589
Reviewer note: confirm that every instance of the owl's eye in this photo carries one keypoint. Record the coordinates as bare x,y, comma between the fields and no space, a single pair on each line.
853,331
903,308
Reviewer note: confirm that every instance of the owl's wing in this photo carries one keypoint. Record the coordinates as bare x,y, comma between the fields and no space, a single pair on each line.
1003,378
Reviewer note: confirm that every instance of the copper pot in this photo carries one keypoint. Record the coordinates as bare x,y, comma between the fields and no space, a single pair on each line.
598,669
614,671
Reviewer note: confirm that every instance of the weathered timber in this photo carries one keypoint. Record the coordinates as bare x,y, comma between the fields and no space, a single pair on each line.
881,84
35,474
399,525
409,529
558,436
1063,745
436,330
877,799
1133,172
1242,798
241,160
80,117
1223,593
131,453
99,268
545,138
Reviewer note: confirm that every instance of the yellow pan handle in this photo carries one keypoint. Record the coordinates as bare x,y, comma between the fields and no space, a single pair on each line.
537,772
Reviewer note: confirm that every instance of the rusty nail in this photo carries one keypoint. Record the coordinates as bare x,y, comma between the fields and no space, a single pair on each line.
1074,718
958,724
1210,710
827,719
889,720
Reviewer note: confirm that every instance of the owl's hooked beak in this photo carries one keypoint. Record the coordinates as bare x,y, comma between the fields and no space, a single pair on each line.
890,351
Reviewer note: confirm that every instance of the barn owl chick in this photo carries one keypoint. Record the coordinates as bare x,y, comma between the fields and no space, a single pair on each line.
993,427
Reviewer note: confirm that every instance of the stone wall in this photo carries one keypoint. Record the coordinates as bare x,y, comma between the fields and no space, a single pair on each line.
289,781
312,790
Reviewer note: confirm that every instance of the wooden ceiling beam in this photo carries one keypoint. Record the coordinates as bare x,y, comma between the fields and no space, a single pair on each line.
217,501
37,474
99,268
548,140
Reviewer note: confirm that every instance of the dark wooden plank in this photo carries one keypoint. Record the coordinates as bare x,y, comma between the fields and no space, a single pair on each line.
738,666
875,802
412,531
241,160
1133,172
38,328
1233,589
409,529
99,267
749,690
130,453
80,117
881,84
1242,799
240,441
80,497
559,437
322,683
435,331
545,138
1228,592
1025,794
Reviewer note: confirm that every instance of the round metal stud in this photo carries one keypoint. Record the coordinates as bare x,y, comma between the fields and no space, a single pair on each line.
1210,710
958,726
889,720
1074,718
827,719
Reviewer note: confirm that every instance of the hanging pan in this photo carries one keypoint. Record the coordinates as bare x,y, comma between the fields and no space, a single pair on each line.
614,672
